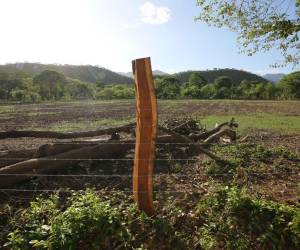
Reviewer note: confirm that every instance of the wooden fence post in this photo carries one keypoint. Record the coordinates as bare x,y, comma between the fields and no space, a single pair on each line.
146,128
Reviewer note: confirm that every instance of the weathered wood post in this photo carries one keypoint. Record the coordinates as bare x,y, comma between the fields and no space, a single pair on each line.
146,127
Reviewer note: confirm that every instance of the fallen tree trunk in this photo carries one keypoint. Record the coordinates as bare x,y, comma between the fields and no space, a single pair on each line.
65,135
11,157
53,157
24,170
20,171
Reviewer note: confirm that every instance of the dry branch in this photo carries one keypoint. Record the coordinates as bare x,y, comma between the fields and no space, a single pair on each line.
57,156
185,139
225,132
205,135
65,135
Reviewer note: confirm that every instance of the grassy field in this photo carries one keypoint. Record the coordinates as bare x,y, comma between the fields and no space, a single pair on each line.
282,116
248,123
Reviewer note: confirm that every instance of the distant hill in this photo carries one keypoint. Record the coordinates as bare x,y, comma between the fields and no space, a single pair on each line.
127,74
210,75
274,77
86,73
154,72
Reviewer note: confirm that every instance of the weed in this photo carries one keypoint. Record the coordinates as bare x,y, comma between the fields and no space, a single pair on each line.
231,219
252,158
86,222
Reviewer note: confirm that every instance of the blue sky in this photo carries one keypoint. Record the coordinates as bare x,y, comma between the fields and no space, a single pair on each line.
110,33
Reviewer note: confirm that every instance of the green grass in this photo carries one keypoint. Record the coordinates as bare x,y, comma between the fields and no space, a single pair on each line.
275,122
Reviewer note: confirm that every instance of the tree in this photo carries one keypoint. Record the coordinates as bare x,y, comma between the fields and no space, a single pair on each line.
27,92
271,90
51,83
208,91
79,90
223,81
289,86
261,25
197,79
191,91
10,81
167,87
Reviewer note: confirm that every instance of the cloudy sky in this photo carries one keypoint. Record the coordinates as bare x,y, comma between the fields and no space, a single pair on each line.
110,33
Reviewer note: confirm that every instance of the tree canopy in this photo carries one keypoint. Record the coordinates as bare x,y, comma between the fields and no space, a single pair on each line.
261,25
290,86
50,85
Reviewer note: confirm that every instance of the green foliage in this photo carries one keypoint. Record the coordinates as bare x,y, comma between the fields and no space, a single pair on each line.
77,90
85,219
192,89
197,79
231,219
116,92
26,92
86,222
261,25
51,84
208,91
84,73
289,86
210,76
253,158
167,87
223,82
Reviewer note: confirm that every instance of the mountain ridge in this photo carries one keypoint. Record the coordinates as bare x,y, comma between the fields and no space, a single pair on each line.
86,73
94,74
210,75
274,77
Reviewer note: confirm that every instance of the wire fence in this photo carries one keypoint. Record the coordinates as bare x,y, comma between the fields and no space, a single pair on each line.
77,177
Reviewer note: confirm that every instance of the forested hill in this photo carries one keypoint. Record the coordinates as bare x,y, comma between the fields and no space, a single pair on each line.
86,73
210,75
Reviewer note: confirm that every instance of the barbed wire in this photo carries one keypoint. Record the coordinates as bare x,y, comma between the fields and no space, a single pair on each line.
154,175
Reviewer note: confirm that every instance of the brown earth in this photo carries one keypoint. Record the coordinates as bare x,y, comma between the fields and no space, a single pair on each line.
178,175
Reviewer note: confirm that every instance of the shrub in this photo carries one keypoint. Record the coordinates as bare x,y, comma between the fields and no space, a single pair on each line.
232,219
85,221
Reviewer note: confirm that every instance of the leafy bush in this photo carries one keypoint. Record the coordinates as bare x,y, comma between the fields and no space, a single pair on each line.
116,92
252,158
86,222
231,219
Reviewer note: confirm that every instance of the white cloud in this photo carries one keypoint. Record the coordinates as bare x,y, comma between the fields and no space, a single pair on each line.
153,14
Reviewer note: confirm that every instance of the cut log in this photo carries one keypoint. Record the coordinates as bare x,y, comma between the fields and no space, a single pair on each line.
11,157
24,170
59,161
65,135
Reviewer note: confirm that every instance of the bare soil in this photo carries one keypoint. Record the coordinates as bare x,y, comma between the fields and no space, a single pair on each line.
178,175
